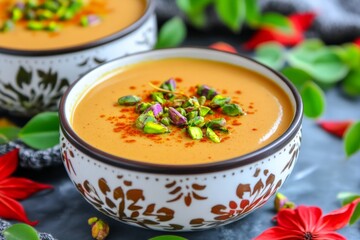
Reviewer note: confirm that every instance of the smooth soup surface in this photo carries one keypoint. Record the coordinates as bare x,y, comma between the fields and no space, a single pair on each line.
120,14
100,121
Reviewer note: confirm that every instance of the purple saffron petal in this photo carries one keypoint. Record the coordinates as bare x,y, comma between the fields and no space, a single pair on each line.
176,117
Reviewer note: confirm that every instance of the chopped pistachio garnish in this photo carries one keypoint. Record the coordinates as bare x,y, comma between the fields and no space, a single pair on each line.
232,110
48,14
193,114
129,100
99,229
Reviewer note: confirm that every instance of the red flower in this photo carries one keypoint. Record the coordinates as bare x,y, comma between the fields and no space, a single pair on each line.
357,42
223,46
337,128
14,188
307,223
300,22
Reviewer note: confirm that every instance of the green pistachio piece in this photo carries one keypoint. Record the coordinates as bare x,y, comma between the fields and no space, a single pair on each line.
165,121
212,135
141,107
155,128
129,100
44,14
7,26
195,102
32,3
219,101
202,100
203,110
224,130
216,123
158,97
30,14
84,21
195,132
52,26
197,121
16,14
145,118
191,115
51,5
188,103
232,110
67,15
36,26
181,111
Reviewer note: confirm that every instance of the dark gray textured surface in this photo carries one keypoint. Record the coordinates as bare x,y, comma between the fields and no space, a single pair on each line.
319,175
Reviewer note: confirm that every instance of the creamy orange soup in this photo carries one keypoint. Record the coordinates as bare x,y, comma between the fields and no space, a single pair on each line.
115,16
101,122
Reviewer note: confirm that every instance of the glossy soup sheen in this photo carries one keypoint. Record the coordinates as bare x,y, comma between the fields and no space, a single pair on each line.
120,14
101,122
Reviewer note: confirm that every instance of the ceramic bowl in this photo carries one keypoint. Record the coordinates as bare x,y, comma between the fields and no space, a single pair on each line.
25,91
185,197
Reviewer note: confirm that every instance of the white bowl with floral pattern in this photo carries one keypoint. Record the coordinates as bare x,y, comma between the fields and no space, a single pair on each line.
33,81
181,197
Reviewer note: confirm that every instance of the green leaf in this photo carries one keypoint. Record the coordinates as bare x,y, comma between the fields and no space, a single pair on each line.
172,33
313,99
42,131
319,61
271,54
356,215
351,83
347,197
277,21
20,231
297,76
352,139
252,16
168,237
194,10
349,54
8,133
231,13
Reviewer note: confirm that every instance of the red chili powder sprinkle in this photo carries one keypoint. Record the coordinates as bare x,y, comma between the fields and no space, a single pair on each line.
126,110
251,107
155,82
189,144
238,92
132,87
254,129
192,90
130,141
224,91
179,80
236,123
102,115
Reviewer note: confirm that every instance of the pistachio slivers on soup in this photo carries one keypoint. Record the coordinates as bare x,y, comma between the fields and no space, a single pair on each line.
182,111
57,24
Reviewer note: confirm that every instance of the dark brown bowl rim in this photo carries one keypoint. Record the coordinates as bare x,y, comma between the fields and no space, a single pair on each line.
236,162
150,8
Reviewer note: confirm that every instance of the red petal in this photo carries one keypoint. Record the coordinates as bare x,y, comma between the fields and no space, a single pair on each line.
303,21
20,188
13,210
330,236
289,219
357,42
300,22
8,163
280,233
223,46
336,128
338,218
309,216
